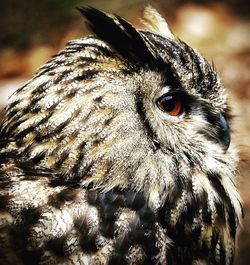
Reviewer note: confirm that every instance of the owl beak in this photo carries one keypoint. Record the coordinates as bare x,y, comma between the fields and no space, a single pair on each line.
224,133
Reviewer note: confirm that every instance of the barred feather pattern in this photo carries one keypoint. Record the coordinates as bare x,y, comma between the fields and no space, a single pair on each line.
92,172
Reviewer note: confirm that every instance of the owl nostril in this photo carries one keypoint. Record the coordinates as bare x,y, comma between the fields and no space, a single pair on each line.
224,133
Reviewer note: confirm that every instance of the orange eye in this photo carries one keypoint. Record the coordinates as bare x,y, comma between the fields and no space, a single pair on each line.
171,104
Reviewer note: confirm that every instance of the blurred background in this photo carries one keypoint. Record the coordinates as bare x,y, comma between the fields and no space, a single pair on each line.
32,31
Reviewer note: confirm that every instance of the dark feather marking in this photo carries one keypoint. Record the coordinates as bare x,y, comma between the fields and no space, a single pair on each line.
62,159
35,109
82,62
61,76
5,181
59,199
59,181
231,219
108,121
215,181
206,211
32,171
62,137
98,99
57,246
213,133
16,114
41,137
99,50
87,239
22,134
214,241
222,254
19,136
4,200
65,154
190,159
108,215
87,74
117,258
171,78
145,123
78,164
211,117
199,74
9,129
12,105
72,93
30,216
135,200
46,69
4,157
22,87
32,257
38,158
184,57
72,179
92,197
39,89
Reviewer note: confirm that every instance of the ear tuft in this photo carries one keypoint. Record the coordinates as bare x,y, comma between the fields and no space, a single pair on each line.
154,22
119,34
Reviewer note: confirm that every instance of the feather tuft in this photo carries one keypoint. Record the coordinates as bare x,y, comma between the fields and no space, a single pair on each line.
119,34
154,22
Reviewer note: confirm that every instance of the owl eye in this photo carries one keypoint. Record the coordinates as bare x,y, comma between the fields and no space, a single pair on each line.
171,104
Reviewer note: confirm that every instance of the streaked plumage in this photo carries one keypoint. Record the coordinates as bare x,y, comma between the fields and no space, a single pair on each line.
94,170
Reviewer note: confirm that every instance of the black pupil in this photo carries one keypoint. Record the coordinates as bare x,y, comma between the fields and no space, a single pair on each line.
168,103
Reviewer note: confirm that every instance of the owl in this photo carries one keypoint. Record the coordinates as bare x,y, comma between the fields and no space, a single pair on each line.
118,151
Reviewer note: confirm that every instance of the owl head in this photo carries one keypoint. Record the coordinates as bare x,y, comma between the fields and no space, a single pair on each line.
125,108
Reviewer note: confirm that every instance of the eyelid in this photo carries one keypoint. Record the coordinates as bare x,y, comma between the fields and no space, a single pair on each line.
184,97
163,91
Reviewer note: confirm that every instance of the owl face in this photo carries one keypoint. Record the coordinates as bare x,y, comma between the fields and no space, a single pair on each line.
185,102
